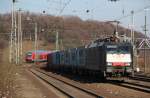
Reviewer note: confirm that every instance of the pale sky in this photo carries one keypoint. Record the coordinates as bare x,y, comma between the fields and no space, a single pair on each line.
101,10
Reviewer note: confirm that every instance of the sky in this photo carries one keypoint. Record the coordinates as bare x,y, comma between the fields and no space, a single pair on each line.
101,10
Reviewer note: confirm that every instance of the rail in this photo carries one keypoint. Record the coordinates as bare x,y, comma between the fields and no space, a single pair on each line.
67,88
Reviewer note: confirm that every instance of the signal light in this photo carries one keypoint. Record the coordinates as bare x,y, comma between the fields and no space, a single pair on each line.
109,63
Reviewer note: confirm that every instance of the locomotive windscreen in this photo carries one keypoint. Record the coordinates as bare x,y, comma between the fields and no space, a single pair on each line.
118,55
29,54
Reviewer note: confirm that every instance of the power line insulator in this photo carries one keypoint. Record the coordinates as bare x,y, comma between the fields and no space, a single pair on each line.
43,11
14,1
87,11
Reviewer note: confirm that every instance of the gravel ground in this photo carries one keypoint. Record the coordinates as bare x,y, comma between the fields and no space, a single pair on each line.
122,92
108,90
29,87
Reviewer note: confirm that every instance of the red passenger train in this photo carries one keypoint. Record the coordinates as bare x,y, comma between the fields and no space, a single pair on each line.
36,56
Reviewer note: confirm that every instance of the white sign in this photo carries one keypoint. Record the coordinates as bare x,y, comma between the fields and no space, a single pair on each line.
118,58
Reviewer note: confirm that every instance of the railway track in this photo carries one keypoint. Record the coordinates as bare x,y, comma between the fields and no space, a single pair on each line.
140,77
68,89
134,84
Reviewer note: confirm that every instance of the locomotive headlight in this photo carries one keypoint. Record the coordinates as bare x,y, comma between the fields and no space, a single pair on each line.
109,63
128,64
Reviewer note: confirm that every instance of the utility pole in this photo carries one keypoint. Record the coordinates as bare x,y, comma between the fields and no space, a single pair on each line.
35,44
13,38
21,54
132,40
14,55
18,40
132,26
145,29
57,40
19,37
15,35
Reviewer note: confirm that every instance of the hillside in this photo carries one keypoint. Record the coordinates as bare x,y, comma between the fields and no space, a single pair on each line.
72,30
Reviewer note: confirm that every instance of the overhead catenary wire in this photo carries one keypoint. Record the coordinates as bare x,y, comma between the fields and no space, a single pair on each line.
57,33
62,8
65,5
135,12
